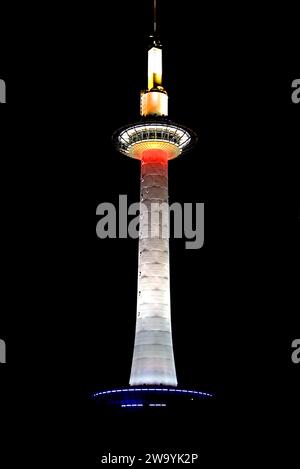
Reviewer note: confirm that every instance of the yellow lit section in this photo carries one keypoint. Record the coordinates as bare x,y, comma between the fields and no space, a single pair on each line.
154,67
154,103
171,150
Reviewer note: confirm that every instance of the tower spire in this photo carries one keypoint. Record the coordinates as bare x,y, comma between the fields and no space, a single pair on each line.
154,17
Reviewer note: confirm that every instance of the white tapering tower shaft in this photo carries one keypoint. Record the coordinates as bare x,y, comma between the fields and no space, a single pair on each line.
153,358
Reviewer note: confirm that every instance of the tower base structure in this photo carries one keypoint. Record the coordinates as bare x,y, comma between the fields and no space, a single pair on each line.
150,397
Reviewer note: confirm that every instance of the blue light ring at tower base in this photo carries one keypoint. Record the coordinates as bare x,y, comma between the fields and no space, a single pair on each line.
141,398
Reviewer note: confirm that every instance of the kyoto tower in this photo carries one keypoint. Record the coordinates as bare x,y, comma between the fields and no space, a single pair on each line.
154,140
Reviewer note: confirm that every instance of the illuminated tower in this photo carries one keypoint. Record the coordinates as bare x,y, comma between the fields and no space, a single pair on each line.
154,140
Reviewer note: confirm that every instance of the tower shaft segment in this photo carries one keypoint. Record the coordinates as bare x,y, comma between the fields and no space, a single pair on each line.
153,141
153,358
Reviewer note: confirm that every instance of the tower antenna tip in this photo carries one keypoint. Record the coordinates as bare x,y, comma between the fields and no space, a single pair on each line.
154,16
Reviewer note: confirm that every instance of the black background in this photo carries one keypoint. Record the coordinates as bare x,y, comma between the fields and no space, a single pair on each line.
73,78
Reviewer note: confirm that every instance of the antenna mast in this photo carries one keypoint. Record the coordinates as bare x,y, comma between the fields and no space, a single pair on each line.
154,17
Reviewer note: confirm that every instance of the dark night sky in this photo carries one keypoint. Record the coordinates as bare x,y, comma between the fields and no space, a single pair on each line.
228,71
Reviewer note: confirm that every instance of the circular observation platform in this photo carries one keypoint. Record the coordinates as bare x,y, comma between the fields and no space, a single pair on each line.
150,397
157,133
